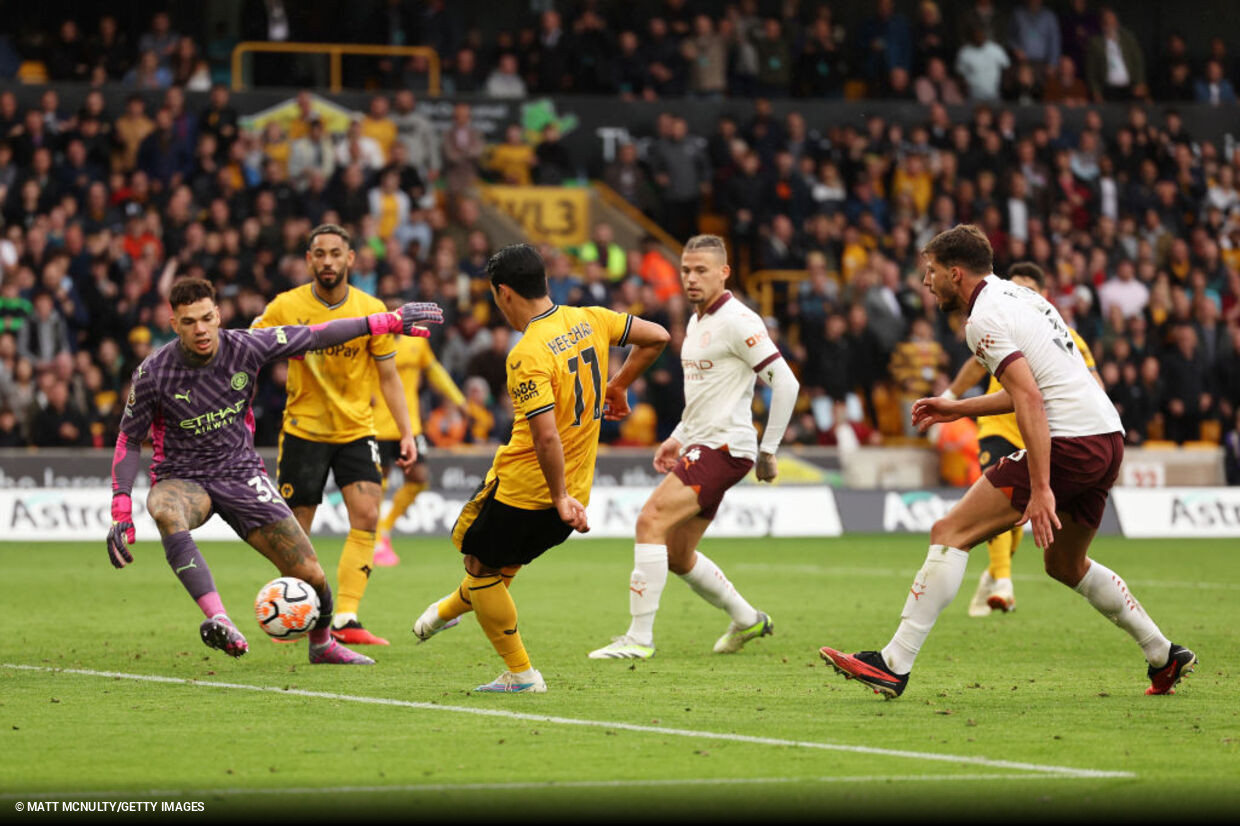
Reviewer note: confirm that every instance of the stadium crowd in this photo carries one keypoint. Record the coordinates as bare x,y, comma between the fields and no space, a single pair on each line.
1137,228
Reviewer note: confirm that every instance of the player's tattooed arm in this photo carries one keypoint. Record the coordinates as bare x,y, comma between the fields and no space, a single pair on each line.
287,546
178,505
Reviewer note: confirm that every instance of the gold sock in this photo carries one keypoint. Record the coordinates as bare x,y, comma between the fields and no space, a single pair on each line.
508,573
353,572
1018,533
1001,556
454,604
497,614
400,503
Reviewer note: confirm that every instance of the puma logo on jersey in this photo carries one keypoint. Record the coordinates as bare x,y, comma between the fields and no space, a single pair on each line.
184,396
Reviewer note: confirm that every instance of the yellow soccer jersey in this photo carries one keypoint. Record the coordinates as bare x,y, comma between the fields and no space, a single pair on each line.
1005,426
413,357
329,390
558,368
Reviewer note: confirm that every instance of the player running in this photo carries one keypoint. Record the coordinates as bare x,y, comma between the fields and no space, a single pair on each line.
535,494
193,395
1058,484
712,448
328,421
414,358
998,436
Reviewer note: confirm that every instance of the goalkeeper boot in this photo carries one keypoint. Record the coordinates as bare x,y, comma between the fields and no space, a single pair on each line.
623,648
736,636
1163,680
219,633
530,682
867,668
333,653
429,624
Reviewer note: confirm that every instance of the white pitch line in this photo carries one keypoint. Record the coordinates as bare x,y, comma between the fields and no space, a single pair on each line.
548,785
1062,771
828,570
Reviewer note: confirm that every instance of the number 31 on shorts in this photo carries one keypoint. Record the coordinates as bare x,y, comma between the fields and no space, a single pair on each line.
264,489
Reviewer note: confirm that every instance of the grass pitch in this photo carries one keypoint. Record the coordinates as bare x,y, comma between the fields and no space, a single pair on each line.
108,694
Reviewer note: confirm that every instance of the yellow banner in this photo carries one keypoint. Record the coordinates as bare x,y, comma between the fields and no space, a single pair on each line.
552,214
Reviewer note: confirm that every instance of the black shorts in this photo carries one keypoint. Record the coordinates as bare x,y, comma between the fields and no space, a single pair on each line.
500,535
302,466
990,449
389,452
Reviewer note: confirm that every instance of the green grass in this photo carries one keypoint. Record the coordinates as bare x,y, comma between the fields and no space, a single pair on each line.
1052,684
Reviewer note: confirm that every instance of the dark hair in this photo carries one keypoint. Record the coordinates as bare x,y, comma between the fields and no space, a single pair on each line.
330,229
188,290
965,246
521,268
1030,270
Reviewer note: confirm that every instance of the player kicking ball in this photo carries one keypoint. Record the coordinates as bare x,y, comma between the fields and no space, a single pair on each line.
535,493
193,396
712,448
1058,484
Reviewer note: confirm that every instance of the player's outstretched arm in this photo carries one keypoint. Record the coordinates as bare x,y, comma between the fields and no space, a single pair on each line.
289,341
648,340
936,409
550,453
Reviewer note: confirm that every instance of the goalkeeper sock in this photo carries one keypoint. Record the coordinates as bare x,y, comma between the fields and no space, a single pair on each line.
1000,549
1109,595
353,572
645,587
400,503
187,563
933,589
321,633
710,583
497,614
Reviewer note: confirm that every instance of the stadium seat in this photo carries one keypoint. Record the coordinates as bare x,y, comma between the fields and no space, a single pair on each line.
32,71
1211,431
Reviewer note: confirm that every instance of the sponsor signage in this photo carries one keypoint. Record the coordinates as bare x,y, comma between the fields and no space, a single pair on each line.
83,514
547,214
1178,512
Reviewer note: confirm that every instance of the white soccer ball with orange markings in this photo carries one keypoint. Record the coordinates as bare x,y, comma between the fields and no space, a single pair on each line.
286,608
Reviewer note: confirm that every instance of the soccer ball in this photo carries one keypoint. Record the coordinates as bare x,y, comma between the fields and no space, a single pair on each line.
286,608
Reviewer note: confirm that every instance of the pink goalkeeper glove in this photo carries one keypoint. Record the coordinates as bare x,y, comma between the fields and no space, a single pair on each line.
122,533
404,320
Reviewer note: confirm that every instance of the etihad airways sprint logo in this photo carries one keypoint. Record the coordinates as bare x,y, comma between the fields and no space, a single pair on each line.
214,419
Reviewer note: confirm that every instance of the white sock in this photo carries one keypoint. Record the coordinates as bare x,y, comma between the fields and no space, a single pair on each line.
710,583
1108,593
645,587
342,619
933,589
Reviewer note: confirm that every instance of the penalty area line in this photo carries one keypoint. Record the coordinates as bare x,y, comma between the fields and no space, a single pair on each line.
1058,771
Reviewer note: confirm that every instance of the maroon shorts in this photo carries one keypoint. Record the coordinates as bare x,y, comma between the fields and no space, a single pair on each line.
710,471
1083,469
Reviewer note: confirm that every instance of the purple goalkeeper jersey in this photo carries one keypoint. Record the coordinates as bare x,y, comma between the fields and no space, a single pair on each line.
199,417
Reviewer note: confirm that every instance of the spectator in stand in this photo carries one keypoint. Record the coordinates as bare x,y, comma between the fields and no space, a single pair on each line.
665,65
706,52
313,152
937,86
45,333
513,160
886,43
682,175
148,74
981,63
378,126
1115,64
418,135
109,49
1214,88
505,79
67,57
1065,86
774,60
1035,36
1173,80
820,66
555,163
1188,390
463,146
631,77
131,129
58,423
931,38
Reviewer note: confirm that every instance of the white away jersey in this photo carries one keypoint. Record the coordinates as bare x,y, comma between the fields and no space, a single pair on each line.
722,354
1006,322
